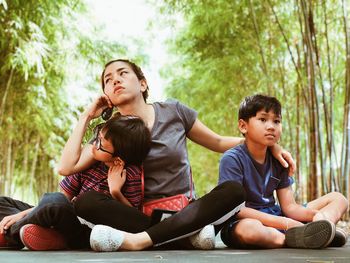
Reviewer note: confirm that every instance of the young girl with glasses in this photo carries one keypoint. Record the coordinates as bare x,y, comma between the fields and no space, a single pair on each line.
119,147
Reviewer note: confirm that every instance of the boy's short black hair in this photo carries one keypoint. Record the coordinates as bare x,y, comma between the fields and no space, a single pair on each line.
130,138
252,104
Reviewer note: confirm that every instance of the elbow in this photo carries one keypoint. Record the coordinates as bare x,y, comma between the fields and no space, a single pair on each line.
288,211
63,171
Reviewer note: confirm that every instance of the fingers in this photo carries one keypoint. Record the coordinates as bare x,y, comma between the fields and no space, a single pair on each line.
119,162
290,163
123,175
5,223
109,103
115,169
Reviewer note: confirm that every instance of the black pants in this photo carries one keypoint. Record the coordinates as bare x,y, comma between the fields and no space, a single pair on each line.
54,210
213,208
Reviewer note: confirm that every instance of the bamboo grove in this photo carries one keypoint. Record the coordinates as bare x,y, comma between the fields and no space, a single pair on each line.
41,45
296,50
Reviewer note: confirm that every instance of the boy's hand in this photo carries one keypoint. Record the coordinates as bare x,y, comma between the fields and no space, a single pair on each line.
284,157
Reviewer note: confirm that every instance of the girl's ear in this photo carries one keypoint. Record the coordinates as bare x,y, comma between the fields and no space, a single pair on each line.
144,85
242,126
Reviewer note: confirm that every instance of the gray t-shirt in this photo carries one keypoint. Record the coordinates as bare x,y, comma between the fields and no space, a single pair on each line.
167,168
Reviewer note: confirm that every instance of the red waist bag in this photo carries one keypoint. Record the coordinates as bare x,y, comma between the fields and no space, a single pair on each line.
171,203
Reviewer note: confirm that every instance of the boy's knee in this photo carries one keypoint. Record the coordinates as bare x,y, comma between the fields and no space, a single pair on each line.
247,229
340,199
242,233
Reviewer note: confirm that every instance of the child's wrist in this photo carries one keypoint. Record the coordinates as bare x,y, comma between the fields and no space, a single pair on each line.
286,223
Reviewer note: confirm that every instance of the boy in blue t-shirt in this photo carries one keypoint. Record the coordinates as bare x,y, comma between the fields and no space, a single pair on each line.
263,223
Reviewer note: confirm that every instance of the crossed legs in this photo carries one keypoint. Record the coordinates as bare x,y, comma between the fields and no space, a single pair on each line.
330,206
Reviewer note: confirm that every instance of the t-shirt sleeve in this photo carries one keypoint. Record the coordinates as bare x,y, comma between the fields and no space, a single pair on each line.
71,184
286,180
187,115
230,169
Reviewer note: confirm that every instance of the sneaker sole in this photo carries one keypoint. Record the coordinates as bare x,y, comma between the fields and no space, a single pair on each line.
318,234
38,238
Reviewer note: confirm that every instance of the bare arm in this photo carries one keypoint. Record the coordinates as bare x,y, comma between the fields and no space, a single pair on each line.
204,136
278,222
291,209
74,157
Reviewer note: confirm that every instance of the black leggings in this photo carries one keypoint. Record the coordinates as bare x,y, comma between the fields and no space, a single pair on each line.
213,208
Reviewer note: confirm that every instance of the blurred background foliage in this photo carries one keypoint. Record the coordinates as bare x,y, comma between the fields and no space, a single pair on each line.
220,52
296,50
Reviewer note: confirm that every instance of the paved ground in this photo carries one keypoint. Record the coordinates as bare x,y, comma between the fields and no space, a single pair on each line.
220,255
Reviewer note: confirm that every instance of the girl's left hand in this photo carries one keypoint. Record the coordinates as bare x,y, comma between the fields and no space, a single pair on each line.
116,176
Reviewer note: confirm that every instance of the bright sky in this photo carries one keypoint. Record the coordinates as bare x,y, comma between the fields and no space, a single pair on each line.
128,19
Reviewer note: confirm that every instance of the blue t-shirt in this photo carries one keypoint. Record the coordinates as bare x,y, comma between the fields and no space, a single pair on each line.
258,180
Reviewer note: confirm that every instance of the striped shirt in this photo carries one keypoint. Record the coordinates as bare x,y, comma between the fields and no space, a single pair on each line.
95,178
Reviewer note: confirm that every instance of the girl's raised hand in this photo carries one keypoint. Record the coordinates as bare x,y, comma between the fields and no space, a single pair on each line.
99,104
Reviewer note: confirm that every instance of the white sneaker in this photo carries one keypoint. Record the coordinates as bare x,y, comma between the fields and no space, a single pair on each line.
204,239
105,238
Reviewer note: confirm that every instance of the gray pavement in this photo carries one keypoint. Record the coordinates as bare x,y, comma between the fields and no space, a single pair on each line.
219,255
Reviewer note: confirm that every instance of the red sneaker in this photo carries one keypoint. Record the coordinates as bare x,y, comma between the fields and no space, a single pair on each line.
35,237
8,245
3,241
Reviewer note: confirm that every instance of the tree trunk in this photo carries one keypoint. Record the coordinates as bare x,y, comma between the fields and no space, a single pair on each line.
3,102
345,163
313,183
261,50
34,165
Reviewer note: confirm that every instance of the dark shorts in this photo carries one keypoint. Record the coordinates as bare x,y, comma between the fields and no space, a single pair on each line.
227,230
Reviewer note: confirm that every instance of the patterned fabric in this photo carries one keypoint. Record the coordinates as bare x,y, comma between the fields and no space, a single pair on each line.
95,178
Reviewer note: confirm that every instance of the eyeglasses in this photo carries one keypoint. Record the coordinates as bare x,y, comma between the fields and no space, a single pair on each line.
99,146
97,139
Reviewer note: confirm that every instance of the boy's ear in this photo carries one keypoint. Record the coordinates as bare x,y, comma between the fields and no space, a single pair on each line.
242,126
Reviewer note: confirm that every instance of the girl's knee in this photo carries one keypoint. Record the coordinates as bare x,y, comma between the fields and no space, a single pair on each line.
87,201
234,190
